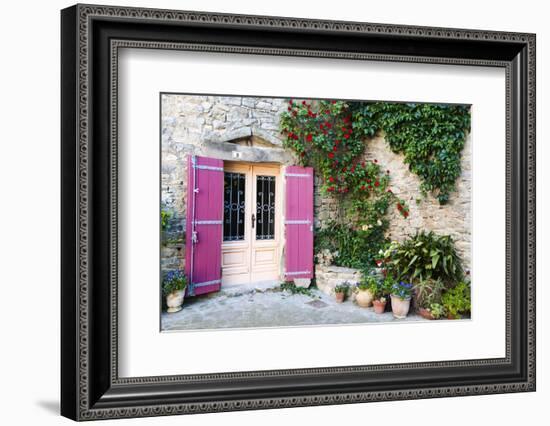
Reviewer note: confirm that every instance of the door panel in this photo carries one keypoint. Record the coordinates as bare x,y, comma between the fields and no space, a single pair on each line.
299,222
250,250
265,247
237,211
264,256
204,224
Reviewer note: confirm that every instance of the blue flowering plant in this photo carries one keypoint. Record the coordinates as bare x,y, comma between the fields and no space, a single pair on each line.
402,290
174,281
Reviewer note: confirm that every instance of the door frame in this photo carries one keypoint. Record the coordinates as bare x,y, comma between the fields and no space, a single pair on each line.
249,244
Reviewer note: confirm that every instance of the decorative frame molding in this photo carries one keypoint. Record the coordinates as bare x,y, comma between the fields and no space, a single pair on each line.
91,388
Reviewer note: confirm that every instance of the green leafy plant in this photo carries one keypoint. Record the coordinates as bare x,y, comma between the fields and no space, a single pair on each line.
387,285
368,282
457,300
294,289
380,288
349,247
428,292
425,256
174,281
430,136
402,290
437,310
165,216
342,288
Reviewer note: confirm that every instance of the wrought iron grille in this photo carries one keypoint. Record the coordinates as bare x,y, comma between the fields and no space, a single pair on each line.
265,207
233,206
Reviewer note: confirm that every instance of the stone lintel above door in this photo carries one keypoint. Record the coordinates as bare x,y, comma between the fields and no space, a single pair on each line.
252,144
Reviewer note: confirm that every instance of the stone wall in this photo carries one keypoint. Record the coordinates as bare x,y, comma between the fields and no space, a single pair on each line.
327,277
196,125
453,218
203,124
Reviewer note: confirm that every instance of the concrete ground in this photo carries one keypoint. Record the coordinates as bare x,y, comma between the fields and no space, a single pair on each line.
243,307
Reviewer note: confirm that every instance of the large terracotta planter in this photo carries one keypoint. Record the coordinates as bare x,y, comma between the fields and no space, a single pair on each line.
174,301
400,307
364,298
379,306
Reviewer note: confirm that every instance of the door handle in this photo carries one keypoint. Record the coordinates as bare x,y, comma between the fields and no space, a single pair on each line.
253,220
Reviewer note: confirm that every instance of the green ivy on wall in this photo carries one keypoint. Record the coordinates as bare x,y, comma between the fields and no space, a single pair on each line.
430,136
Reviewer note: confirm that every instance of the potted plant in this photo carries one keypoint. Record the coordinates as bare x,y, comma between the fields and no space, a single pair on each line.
365,295
381,292
173,287
427,292
401,299
340,291
457,300
437,310
379,304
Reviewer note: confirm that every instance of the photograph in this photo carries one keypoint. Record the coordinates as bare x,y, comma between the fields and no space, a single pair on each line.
288,212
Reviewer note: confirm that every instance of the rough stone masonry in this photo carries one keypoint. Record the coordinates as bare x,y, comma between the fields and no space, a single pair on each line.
204,124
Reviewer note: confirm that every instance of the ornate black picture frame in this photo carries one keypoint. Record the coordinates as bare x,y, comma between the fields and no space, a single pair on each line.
91,37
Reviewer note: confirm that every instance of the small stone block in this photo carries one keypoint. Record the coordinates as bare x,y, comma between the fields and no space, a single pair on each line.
302,282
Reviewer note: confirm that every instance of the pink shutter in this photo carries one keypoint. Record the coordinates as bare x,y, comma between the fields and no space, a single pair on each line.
299,223
204,230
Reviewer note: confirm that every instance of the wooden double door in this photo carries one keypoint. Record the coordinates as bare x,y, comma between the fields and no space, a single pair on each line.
252,213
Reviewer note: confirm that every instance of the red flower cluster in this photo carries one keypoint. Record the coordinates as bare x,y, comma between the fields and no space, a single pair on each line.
292,135
403,210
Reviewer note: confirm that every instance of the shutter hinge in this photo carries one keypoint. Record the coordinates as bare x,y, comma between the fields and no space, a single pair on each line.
194,237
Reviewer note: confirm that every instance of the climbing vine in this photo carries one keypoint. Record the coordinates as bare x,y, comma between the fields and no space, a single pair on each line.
324,134
430,136
330,135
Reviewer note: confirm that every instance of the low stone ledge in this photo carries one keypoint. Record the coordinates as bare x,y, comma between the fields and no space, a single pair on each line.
327,277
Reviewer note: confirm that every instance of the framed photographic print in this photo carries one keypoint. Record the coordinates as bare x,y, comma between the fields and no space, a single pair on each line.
263,212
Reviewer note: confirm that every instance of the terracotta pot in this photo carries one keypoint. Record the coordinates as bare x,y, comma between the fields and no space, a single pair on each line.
340,297
174,301
400,307
364,298
379,306
424,313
